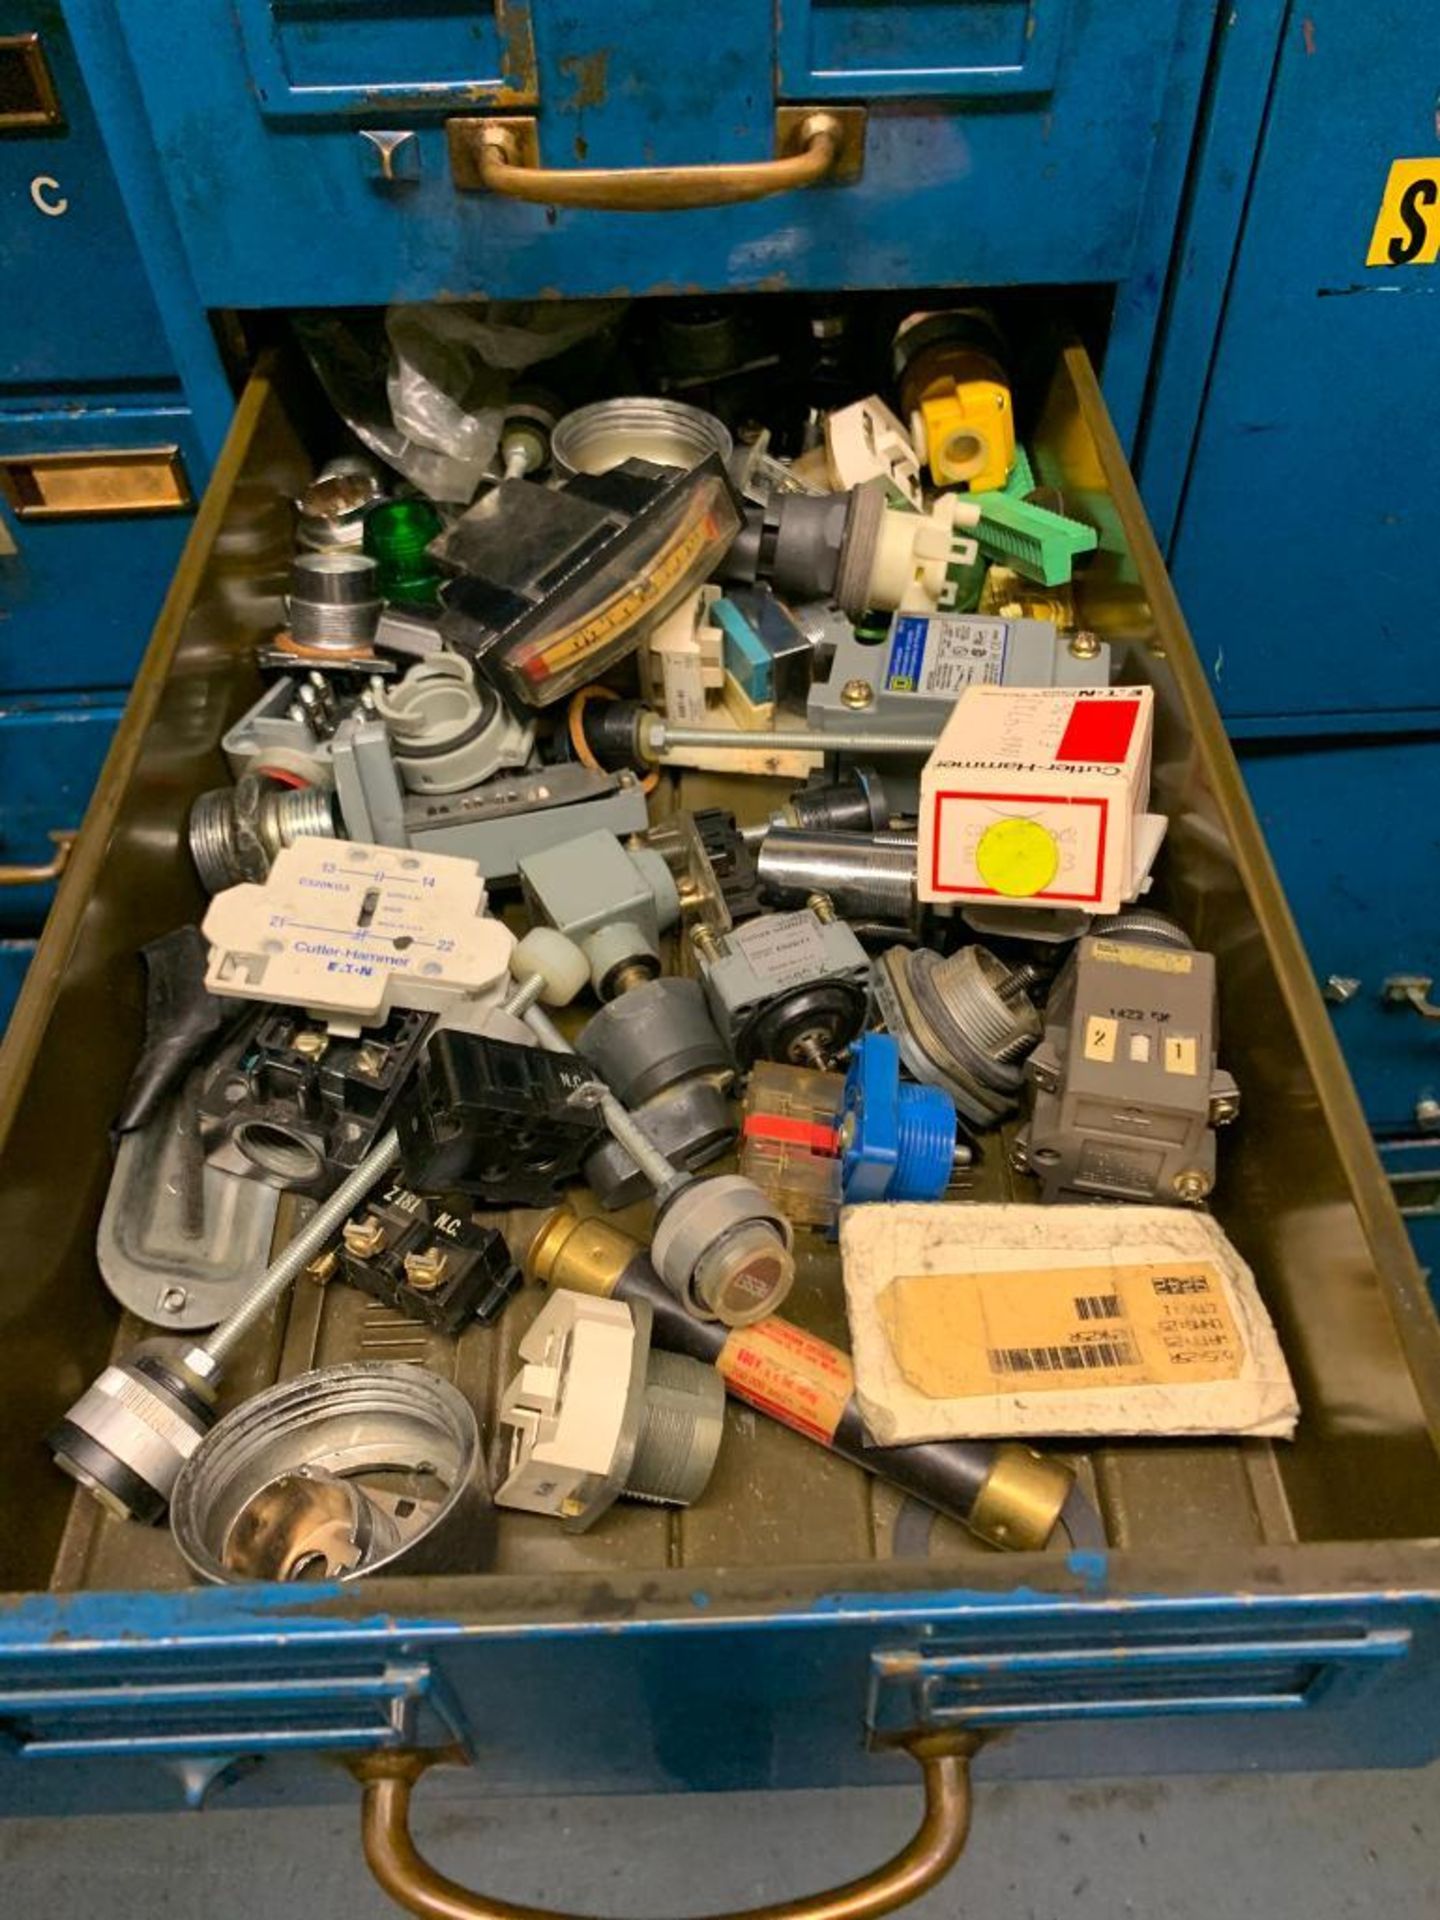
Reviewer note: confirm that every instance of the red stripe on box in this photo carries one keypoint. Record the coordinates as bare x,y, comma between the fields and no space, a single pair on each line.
1099,731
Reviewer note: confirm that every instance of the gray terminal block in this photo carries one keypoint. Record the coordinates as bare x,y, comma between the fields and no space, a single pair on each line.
1125,1087
276,732
614,902
792,987
910,681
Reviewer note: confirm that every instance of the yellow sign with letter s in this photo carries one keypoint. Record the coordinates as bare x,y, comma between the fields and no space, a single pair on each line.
1407,227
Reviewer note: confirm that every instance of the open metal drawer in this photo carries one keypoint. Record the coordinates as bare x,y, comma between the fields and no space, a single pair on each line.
1259,1604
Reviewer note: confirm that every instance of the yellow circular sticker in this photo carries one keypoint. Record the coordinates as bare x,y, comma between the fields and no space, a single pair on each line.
1017,857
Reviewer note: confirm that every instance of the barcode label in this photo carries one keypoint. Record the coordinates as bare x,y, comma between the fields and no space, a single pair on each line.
1076,1359
1098,1306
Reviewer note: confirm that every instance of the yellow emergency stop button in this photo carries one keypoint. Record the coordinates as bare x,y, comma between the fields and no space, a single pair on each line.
1018,857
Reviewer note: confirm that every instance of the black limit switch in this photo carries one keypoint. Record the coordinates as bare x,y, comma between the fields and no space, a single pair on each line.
429,1260
496,1121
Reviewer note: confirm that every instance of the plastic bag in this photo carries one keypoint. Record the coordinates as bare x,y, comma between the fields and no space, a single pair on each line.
428,393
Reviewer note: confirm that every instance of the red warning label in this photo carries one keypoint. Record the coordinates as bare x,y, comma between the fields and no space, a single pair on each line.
1098,731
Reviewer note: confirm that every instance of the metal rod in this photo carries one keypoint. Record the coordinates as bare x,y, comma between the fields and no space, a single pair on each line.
658,737
525,995
312,1239
662,1174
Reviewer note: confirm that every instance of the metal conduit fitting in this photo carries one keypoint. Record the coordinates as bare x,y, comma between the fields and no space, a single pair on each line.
1141,923
964,1023
334,600
235,832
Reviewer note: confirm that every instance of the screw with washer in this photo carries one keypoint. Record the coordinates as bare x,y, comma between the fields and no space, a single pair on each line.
1192,1185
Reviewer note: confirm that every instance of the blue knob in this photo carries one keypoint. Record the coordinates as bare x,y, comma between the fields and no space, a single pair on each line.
897,1141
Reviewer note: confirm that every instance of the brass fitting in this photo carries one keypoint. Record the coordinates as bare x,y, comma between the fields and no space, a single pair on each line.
1019,1506
586,1255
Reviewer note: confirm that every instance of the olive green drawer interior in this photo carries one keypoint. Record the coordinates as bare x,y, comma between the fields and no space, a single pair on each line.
1300,1191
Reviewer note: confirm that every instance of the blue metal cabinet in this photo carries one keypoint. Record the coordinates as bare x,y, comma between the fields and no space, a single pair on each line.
79,591
77,305
51,751
1357,842
101,454
1288,458
1290,445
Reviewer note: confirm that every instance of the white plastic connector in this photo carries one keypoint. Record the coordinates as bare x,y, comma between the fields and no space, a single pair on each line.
567,1406
866,440
915,551
349,931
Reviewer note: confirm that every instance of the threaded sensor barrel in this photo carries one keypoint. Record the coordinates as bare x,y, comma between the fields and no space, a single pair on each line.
680,1432
334,600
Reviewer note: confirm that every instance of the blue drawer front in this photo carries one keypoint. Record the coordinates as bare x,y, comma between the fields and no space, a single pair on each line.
938,49
1034,168
1303,553
79,595
1354,833
51,753
76,306
786,1699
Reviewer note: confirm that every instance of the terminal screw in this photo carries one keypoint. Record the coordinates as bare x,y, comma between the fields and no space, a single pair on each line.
1191,1186
364,1238
857,693
1085,645
426,1269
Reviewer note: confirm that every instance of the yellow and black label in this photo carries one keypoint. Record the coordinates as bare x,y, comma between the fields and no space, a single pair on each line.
1407,227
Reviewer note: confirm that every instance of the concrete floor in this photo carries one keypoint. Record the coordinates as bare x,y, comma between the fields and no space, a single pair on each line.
1313,1846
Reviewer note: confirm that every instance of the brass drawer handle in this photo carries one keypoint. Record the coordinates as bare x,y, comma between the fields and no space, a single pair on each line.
1411,990
813,146
936,1845
51,869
